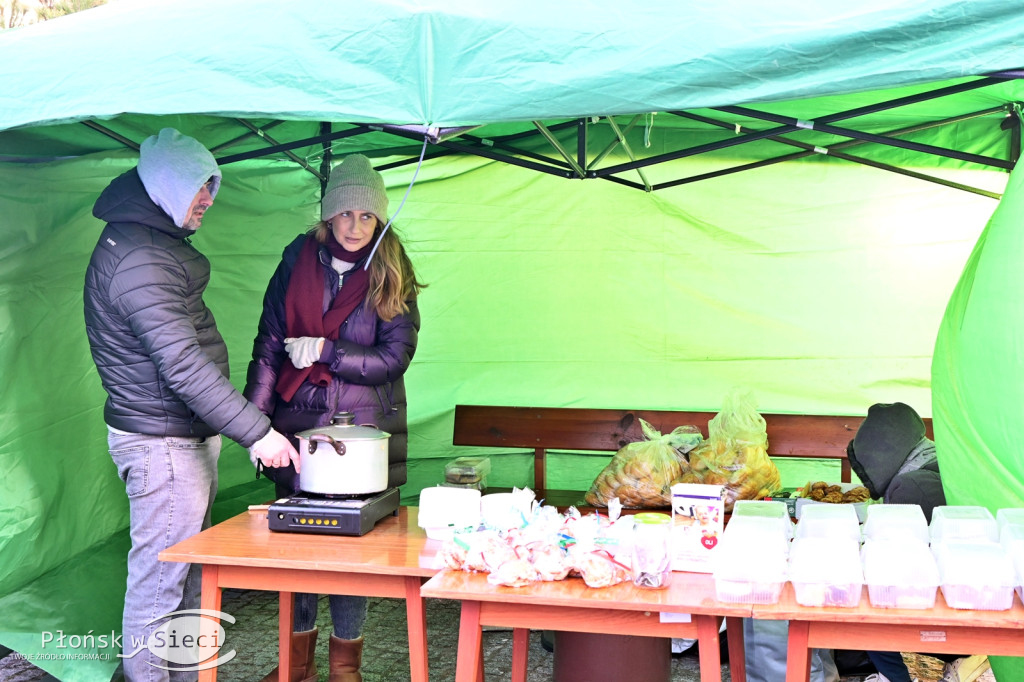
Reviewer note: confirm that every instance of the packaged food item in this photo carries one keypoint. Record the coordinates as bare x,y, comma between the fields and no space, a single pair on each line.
896,522
651,555
698,519
822,492
640,474
735,454
962,522
468,472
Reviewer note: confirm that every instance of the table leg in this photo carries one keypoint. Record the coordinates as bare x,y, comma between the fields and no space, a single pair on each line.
285,620
520,653
798,652
707,646
209,600
737,654
416,615
469,664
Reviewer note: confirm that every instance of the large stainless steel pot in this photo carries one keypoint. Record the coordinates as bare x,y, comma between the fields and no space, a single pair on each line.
343,458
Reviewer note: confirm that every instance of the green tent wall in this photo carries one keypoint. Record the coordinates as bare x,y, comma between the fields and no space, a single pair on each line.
818,283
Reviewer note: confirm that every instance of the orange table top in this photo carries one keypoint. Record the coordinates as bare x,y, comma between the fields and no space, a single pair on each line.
787,608
395,546
686,593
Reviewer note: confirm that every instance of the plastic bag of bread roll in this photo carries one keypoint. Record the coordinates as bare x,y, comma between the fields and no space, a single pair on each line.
735,455
641,473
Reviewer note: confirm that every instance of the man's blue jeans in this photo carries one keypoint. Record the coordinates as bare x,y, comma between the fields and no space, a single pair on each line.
171,483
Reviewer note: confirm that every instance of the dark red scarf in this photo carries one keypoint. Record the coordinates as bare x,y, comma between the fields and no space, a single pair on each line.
303,307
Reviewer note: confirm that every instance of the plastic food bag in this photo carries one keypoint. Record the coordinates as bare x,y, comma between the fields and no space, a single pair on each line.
640,474
735,454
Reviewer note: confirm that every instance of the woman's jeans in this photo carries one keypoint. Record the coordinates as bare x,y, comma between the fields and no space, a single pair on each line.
171,483
347,613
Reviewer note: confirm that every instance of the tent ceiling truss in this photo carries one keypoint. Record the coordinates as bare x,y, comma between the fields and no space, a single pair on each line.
578,163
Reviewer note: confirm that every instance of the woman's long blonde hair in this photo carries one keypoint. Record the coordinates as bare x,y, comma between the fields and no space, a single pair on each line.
392,278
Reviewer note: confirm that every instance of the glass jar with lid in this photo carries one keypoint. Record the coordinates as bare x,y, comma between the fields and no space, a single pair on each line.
651,556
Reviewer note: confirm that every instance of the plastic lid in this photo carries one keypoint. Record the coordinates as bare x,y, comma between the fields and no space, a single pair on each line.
652,518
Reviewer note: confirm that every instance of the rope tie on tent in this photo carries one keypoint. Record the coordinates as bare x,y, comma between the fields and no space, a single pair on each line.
648,125
394,215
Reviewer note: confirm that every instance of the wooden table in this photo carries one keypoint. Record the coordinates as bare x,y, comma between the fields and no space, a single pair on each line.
940,629
571,605
392,560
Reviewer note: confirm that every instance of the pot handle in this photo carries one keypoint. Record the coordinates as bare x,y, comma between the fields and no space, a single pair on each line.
338,445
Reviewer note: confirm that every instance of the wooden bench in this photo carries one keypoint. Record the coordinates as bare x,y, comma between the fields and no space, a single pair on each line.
606,430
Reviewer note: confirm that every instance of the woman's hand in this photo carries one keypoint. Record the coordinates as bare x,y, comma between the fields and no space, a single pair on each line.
304,350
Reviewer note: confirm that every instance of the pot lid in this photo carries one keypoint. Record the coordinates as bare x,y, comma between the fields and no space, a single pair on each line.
342,427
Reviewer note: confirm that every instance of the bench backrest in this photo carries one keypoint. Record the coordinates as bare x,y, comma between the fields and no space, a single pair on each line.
606,430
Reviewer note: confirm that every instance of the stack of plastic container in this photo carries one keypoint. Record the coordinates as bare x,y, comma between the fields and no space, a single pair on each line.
975,572
899,569
1011,537
750,563
824,564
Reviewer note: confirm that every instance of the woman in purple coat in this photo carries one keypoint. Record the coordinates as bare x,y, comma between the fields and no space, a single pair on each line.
337,336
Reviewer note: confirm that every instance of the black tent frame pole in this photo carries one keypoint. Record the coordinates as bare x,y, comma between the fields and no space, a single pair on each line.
834,151
111,134
791,127
305,142
231,143
818,126
291,155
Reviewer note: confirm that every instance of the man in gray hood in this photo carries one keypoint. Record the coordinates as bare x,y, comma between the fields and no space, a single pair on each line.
164,366
896,462
894,459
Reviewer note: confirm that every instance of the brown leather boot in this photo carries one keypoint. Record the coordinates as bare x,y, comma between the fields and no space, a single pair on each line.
303,663
346,655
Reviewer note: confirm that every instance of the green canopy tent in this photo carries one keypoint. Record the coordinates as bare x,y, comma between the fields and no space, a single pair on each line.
620,205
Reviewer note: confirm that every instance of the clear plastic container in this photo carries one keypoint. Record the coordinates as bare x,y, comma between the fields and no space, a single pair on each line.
826,571
469,471
651,554
1012,539
896,522
1016,554
750,566
748,526
954,522
1010,516
774,511
975,575
900,574
829,521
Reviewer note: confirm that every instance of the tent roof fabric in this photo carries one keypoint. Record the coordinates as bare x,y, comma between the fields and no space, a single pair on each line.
460,62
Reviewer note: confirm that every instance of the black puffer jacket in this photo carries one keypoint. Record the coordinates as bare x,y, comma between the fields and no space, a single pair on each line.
369,362
155,343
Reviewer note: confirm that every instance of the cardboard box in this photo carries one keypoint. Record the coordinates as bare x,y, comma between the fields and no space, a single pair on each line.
698,518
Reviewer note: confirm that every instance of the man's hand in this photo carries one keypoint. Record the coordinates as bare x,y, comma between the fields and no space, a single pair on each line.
274,450
304,350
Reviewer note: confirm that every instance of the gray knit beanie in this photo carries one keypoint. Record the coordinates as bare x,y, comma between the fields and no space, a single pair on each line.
355,186
173,168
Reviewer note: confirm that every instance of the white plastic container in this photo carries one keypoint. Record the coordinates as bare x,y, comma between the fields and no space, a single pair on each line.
975,575
900,574
1010,516
1016,554
955,522
750,564
826,571
775,511
444,510
829,521
896,522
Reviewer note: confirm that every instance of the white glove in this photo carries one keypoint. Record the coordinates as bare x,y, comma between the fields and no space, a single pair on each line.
274,450
305,350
